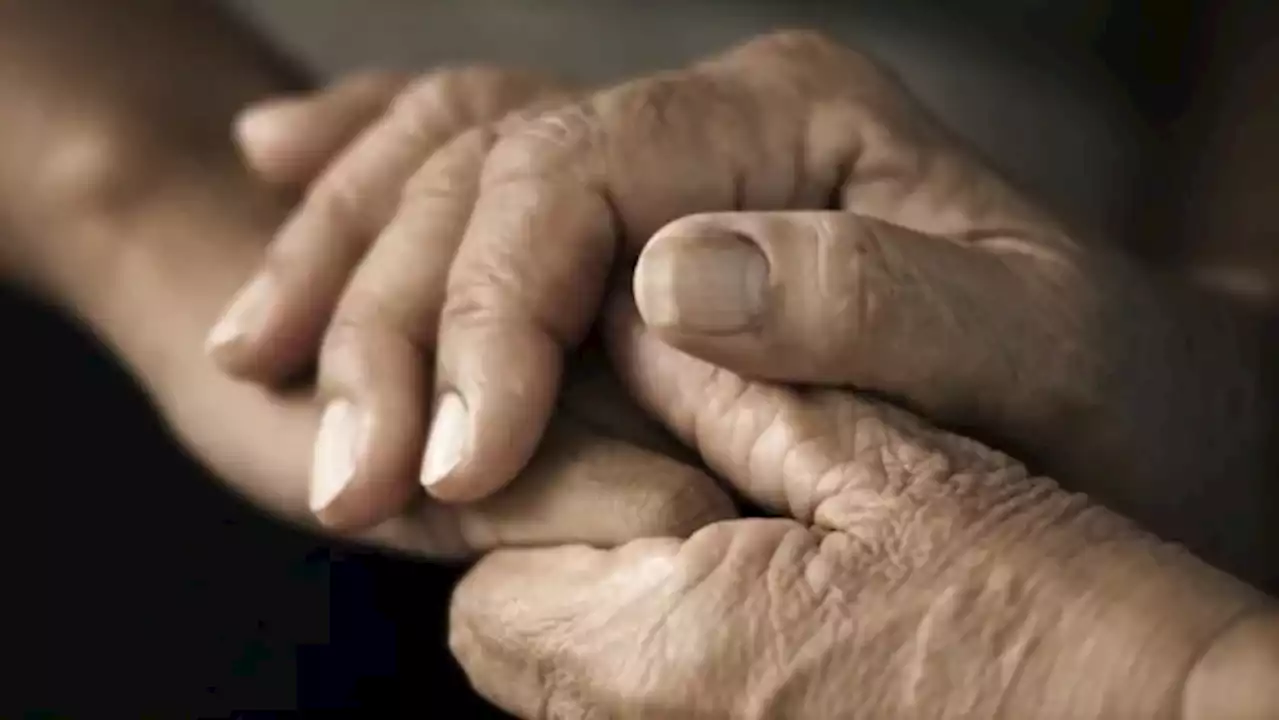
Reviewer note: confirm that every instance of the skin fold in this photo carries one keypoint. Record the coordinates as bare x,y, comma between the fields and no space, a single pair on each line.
909,571
931,281
124,203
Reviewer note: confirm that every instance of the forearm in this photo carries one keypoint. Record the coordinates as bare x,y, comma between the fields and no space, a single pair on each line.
107,106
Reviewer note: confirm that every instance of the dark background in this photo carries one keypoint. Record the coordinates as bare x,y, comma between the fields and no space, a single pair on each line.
135,586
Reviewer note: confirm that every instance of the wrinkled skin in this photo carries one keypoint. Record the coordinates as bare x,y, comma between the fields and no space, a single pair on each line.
927,279
912,573
123,201
606,473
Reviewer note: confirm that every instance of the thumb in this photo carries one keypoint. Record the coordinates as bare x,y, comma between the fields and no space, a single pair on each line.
289,140
837,298
657,628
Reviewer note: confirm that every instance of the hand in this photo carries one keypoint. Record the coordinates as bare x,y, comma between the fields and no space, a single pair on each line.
355,141
935,284
361,133
183,229
913,573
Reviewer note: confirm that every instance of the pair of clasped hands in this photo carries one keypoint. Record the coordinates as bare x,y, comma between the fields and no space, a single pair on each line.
486,270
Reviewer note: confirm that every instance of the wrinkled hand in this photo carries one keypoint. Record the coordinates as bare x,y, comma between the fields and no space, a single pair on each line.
913,573
186,248
929,280
353,146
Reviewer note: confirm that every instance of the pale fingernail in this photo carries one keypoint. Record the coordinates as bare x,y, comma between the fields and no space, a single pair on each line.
715,283
246,310
259,125
447,441
339,443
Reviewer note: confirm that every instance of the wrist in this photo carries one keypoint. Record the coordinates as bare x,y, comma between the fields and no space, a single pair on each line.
1131,620
187,251
1236,675
96,130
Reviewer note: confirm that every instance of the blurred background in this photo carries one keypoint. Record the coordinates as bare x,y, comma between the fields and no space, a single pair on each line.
1029,74
1110,110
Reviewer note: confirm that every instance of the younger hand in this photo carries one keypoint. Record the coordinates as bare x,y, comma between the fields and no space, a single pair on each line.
172,255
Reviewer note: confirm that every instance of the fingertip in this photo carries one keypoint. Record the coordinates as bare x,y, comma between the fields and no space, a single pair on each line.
263,336
488,419
340,442
265,135
257,124
357,481
448,440
374,378
232,342
290,139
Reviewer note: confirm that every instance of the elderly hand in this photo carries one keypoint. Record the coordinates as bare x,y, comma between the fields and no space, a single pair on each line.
605,475
148,233
909,270
912,573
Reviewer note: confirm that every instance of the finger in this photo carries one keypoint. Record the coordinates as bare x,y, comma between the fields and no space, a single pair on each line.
375,356
580,487
289,141
274,326
583,487
593,396
558,194
789,120
786,449
960,331
539,632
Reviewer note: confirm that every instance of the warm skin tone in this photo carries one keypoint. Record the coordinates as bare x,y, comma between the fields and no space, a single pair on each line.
124,202
909,537
194,224
942,287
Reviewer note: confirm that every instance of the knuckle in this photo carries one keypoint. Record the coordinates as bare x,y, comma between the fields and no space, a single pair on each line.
465,96
675,111
344,337
649,101
906,491
339,199
430,101
806,62
481,304
454,169
850,271
542,146
373,315
801,46
490,92
370,352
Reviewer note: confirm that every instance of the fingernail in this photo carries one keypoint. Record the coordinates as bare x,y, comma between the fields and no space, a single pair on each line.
339,444
447,440
715,283
246,309
259,124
